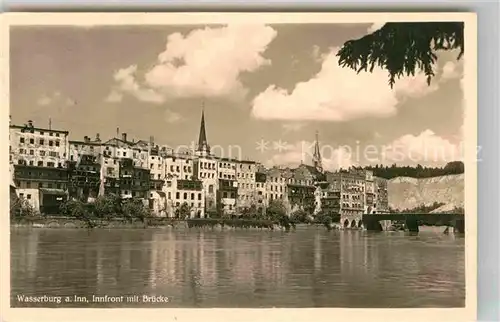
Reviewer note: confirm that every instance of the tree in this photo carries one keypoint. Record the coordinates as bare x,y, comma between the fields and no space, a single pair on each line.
108,206
183,211
403,47
134,208
21,208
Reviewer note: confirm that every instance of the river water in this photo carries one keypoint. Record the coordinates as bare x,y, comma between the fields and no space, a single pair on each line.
309,267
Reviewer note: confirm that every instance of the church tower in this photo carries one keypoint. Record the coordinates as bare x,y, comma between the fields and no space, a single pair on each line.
203,149
317,155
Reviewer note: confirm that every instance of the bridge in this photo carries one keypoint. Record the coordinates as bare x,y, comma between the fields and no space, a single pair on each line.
412,221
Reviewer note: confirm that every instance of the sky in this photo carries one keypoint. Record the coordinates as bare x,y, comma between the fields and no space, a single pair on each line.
266,90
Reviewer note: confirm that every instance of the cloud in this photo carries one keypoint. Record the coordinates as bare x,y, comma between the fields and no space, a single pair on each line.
172,117
44,100
424,148
293,126
339,94
205,62
114,97
55,98
125,79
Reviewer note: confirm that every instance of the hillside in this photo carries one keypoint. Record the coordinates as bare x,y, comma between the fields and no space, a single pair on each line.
408,193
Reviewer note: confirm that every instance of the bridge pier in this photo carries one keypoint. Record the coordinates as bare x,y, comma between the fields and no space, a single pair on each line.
459,226
412,224
372,225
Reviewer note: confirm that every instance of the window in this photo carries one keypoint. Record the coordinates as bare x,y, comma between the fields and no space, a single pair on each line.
40,163
178,169
124,154
41,141
169,184
192,196
31,162
199,196
169,195
211,188
177,195
51,143
185,195
57,144
57,134
32,152
21,195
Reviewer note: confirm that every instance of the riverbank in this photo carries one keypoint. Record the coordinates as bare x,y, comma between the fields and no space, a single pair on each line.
151,222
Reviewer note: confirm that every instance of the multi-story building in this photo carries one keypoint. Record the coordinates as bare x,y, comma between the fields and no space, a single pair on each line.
226,196
189,192
133,181
84,177
38,147
45,188
277,184
260,189
247,190
85,147
179,166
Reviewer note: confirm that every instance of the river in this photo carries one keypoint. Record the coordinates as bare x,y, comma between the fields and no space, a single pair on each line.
309,267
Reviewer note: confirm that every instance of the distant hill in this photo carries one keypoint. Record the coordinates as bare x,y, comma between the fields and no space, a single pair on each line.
409,193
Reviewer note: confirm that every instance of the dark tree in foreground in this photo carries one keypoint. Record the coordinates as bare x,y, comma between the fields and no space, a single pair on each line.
402,48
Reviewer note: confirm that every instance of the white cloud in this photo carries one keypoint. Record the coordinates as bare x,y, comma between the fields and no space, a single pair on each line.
56,99
126,83
114,97
424,148
44,100
205,62
172,117
293,126
338,94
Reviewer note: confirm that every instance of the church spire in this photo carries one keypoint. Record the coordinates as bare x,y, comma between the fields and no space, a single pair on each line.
317,155
202,139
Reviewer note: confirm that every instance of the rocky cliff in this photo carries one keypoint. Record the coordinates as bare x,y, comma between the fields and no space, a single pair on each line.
408,193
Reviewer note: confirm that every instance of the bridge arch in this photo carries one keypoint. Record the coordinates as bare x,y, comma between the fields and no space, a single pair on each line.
353,223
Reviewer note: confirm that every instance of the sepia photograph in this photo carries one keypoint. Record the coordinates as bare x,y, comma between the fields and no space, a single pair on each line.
230,161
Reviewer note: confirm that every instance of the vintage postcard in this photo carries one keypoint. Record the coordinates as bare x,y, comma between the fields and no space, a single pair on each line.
239,166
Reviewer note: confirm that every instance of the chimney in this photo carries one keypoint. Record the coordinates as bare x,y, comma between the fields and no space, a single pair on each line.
30,123
86,139
97,137
151,140
124,136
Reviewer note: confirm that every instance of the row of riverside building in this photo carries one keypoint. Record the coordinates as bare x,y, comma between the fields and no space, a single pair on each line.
47,168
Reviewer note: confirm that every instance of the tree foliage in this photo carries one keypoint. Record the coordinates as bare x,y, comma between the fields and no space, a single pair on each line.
21,208
403,48
183,211
108,206
134,209
418,171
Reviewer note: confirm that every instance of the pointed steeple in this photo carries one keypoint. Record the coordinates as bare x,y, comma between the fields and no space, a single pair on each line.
317,155
202,139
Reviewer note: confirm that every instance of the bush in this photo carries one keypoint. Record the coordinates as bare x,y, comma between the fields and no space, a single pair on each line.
134,209
21,208
108,206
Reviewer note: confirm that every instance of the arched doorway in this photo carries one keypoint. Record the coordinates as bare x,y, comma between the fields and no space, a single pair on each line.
353,224
346,223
